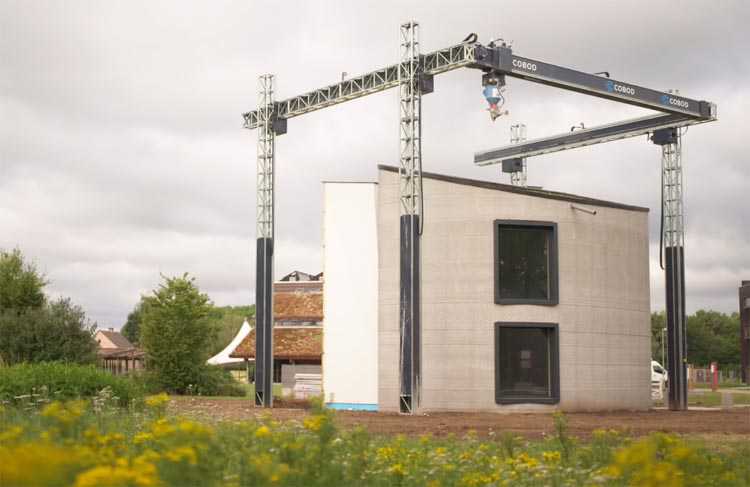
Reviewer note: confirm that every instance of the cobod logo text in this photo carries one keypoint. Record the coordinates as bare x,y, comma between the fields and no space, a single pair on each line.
524,65
613,87
668,100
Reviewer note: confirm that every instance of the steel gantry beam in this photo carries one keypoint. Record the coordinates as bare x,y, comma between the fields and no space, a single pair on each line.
414,76
410,185
518,175
264,245
584,137
673,246
430,64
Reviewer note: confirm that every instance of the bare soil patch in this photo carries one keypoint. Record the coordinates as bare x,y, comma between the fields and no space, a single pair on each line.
529,425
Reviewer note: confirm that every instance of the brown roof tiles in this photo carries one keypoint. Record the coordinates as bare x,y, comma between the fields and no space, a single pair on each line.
293,343
298,305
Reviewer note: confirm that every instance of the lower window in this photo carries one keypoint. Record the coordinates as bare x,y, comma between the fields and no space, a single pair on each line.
526,363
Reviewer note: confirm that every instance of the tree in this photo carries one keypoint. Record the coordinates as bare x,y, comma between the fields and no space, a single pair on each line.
658,323
176,332
227,320
132,327
58,331
33,330
21,285
712,336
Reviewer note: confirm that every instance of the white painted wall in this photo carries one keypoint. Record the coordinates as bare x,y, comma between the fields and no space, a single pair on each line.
350,295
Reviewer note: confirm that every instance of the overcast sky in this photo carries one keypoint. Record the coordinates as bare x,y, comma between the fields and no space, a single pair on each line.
122,154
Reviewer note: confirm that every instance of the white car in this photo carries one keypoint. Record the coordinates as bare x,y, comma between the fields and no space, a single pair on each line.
658,373
658,381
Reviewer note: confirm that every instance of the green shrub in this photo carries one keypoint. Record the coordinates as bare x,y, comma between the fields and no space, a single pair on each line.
216,381
208,380
64,381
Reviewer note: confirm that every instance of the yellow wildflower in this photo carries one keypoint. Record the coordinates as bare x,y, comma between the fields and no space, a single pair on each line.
314,423
384,453
157,400
10,435
37,463
262,432
162,428
64,413
551,456
143,475
142,438
182,453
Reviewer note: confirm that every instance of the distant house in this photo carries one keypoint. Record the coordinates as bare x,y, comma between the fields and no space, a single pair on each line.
116,353
301,276
298,329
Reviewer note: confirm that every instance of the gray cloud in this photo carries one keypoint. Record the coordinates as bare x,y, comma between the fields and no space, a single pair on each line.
122,156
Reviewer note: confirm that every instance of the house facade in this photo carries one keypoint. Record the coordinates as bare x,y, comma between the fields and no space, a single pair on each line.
116,354
530,299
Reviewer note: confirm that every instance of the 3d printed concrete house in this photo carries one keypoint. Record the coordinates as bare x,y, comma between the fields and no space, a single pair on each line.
531,299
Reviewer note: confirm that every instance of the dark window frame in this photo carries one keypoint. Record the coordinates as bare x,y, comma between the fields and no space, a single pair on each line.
554,364
553,299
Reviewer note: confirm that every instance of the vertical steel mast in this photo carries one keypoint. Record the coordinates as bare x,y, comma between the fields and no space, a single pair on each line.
265,231
517,135
410,183
673,235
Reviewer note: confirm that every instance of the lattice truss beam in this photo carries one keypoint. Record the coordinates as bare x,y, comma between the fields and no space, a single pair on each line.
410,111
674,223
265,156
436,62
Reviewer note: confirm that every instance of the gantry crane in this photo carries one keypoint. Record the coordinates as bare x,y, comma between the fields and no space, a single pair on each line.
414,76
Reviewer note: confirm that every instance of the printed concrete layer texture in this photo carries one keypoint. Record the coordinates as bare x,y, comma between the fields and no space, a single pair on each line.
603,312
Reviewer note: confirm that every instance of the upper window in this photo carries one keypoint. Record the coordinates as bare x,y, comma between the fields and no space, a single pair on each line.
525,262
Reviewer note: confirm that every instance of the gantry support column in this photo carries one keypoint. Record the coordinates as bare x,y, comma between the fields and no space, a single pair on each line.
673,234
264,254
410,183
518,135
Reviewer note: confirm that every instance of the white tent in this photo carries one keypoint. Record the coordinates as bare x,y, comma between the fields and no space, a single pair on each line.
223,358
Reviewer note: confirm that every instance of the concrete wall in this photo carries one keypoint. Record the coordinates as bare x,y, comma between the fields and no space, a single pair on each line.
350,295
603,311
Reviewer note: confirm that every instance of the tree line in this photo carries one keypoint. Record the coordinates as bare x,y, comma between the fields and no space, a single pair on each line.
35,328
176,325
712,336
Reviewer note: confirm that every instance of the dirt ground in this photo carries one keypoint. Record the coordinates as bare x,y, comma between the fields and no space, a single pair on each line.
529,425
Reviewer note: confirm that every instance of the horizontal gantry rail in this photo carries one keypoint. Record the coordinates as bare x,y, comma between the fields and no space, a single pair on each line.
436,62
584,137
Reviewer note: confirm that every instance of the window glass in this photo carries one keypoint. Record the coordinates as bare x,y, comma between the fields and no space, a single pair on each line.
523,263
524,359
525,364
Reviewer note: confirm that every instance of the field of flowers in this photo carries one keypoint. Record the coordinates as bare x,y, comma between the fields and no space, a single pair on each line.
96,443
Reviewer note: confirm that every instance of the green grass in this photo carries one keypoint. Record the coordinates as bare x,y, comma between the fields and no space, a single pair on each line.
714,399
722,385
711,399
249,392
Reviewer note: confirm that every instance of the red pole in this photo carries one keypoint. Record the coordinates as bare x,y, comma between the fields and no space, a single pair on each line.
715,376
